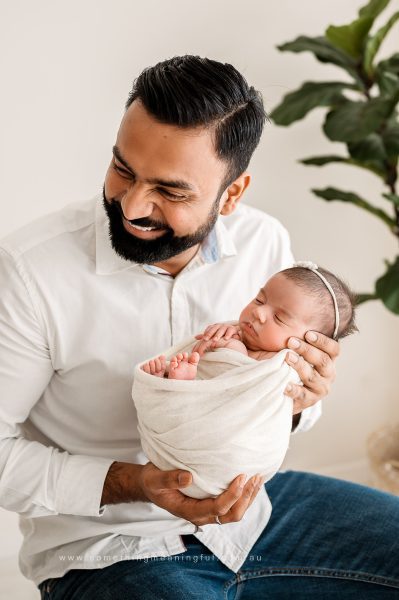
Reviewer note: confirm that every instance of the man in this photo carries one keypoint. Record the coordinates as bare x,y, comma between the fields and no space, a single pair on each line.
90,291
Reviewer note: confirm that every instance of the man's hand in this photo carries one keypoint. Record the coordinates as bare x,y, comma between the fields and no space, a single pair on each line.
127,482
162,488
315,366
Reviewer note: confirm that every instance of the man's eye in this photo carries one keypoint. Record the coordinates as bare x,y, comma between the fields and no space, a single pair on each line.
172,196
122,172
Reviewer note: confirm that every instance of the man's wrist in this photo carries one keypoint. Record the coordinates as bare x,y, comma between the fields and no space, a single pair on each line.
295,421
122,484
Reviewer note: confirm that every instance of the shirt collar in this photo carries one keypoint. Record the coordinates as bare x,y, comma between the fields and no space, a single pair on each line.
216,246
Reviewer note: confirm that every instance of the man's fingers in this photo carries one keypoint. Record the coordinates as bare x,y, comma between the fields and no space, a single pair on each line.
257,486
302,397
223,503
229,506
172,480
237,510
321,361
324,343
307,374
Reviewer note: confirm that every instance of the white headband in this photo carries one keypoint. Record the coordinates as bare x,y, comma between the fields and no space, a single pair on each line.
307,264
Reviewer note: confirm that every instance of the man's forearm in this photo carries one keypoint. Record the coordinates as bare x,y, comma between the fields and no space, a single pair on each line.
122,484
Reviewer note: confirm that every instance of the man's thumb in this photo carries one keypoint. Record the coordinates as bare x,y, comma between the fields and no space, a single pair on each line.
184,478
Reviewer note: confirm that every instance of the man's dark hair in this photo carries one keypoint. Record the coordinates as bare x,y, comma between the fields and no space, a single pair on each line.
346,299
190,91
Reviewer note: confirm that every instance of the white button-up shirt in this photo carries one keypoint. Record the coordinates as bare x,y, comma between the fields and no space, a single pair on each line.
74,320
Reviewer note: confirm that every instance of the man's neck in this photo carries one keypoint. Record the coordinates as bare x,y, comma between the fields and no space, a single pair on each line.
177,263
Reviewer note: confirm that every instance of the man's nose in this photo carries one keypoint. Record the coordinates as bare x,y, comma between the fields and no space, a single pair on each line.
136,204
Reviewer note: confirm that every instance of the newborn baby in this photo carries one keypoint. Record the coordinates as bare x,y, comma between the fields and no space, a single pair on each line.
291,303
218,407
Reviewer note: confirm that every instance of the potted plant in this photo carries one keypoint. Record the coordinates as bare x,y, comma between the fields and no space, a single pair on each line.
362,112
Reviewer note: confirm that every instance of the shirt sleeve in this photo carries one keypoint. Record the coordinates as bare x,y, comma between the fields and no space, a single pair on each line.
35,480
309,416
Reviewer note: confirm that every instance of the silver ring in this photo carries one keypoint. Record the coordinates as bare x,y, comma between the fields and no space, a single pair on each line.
217,520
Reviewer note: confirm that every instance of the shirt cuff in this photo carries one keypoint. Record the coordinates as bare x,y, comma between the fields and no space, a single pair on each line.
309,416
81,484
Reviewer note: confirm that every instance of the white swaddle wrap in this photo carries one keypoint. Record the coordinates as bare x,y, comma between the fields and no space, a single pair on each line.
232,419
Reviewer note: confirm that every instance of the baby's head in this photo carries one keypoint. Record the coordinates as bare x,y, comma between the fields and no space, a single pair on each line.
293,302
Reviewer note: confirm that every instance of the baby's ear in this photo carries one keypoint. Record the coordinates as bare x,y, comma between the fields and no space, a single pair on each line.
233,194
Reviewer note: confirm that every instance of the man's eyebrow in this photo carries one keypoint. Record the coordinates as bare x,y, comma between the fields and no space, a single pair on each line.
118,156
173,183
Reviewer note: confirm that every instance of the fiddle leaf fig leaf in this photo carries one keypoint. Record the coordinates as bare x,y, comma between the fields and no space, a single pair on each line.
319,161
374,42
392,198
390,137
387,288
373,8
332,194
371,152
297,104
360,298
353,121
350,38
387,82
324,52
390,64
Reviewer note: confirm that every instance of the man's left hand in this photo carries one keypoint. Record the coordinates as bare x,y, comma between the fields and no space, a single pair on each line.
314,365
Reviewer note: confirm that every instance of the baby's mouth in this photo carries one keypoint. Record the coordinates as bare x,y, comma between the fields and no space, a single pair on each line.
249,327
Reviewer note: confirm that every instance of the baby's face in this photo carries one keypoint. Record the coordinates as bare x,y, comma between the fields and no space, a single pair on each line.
281,310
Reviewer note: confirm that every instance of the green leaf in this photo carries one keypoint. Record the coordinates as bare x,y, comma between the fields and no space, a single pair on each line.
373,8
353,121
370,148
350,38
391,64
390,136
387,287
387,82
324,52
332,194
297,104
374,42
392,198
320,161
370,152
360,298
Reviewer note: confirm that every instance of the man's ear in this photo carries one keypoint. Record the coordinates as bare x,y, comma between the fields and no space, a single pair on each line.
233,194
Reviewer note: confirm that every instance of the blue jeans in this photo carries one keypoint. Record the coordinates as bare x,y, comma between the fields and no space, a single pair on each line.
326,539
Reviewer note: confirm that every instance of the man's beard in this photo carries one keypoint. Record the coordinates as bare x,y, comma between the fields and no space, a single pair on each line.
159,249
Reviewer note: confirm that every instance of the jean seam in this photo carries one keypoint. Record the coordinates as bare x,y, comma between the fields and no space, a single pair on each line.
320,572
231,583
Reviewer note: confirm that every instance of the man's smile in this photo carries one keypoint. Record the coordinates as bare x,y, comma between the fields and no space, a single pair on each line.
144,233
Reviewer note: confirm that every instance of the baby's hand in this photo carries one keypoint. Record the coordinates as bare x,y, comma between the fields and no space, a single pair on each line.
220,330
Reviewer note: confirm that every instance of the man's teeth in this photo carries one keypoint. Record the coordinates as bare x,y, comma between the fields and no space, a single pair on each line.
143,228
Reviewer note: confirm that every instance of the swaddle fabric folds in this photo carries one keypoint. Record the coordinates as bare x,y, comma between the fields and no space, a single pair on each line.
232,419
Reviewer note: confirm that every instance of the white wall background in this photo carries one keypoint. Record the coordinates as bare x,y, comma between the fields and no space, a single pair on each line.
66,70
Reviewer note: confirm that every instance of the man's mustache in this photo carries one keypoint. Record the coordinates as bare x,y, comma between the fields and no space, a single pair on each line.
143,222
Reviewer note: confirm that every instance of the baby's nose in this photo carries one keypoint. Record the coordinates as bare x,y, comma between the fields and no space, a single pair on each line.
260,314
